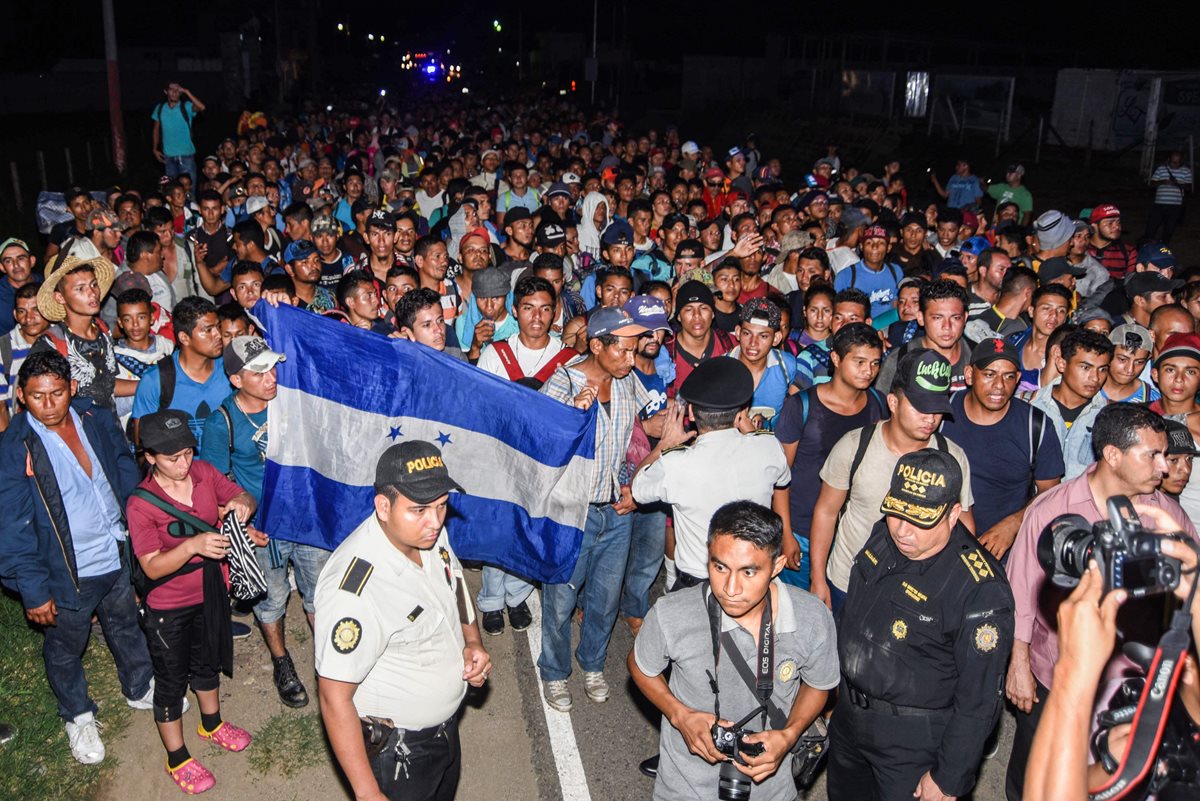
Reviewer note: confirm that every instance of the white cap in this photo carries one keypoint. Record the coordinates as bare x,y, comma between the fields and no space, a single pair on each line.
256,204
570,178
689,148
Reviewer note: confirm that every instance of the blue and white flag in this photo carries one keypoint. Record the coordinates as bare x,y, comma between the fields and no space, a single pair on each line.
524,460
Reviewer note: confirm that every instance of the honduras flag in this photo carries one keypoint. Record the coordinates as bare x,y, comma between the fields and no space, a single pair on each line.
524,460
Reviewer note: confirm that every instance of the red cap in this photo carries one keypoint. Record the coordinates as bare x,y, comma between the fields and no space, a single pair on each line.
1104,211
1180,345
713,172
970,220
480,232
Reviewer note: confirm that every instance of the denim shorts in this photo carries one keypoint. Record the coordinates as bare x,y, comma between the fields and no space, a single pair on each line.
306,560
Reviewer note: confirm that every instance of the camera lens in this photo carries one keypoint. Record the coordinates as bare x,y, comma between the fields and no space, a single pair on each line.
733,785
1064,547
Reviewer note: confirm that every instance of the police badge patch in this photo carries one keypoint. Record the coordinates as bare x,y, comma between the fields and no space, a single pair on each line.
346,635
787,670
899,629
987,637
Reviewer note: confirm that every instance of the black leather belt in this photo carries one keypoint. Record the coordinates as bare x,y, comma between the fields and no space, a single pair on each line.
687,579
863,701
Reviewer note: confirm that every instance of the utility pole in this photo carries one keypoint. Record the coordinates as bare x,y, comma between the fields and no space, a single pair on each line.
595,65
115,120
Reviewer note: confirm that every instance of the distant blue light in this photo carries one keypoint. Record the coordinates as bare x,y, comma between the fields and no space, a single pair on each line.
431,69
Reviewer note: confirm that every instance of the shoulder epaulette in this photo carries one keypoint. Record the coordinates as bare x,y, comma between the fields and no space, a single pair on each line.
356,576
977,565
672,449
760,431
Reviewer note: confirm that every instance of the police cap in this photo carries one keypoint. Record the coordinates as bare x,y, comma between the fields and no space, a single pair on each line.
720,383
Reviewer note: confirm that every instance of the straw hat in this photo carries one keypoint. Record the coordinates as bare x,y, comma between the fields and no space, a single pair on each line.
54,311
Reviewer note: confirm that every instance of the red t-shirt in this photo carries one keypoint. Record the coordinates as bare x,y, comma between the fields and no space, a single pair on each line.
148,530
718,345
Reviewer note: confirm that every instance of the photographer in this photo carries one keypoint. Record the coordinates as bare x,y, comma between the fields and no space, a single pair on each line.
1087,625
1130,444
744,605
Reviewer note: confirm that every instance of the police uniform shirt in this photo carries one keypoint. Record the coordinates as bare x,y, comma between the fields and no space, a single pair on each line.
677,632
393,627
934,634
696,480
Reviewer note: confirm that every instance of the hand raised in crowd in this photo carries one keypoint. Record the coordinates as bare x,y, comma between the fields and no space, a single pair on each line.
674,433
210,545
44,615
696,728
747,245
477,664
927,790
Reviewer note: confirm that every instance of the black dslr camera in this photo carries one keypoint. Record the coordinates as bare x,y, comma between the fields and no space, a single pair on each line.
1130,558
731,741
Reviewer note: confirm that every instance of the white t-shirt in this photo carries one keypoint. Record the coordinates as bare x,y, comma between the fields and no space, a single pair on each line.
841,257
528,359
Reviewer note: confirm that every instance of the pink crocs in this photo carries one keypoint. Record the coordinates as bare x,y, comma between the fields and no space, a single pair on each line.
228,736
192,777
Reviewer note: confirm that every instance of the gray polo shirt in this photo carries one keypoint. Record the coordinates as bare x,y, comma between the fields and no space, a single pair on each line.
676,632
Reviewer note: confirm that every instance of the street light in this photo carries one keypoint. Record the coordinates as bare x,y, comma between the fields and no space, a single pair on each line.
496,26
371,37
341,27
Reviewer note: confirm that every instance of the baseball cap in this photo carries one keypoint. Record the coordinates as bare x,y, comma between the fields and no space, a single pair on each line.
516,214
693,292
760,311
1104,211
1057,267
256,204
250,353
13,241
166,432
360,206
610,320
689,148
324,224
1132,336
570,178
913,218
416,469
1179,440
619,233
994,349
1054,229
925,485
873,232
1154,253
103,219
1142,284
648,312
923,375
550,234
126,281
558,188
382,218
734,152
973,246
299,250
1180,345
1014,168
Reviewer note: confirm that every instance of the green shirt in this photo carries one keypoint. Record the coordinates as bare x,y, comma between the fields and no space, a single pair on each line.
1018,194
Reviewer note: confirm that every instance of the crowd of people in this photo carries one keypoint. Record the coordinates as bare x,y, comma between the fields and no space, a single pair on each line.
836,406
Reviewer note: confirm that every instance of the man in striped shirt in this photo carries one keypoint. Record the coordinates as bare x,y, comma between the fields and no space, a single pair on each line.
1106,246
1170,181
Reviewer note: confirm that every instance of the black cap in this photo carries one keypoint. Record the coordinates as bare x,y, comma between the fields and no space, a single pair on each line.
550,234
167,432
694,292
1179,440
382,218
1142,284
913,218
516,214
416,470
673,219
689,248
994,349
923,375
1058,267
720,383
361,205
925,485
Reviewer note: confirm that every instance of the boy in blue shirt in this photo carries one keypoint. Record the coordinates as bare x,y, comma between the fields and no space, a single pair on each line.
758,334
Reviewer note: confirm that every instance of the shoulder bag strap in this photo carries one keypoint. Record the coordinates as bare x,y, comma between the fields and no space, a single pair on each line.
175,512
509,360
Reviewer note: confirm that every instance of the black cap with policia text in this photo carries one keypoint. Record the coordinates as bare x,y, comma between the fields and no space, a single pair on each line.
925,485
416,470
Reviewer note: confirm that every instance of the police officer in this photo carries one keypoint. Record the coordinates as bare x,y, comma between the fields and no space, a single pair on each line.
924,639
729,461
396,638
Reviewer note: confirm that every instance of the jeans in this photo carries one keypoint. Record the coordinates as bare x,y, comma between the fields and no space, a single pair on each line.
596,582
647,542
501,588
180,165
307,560
110,598
801,578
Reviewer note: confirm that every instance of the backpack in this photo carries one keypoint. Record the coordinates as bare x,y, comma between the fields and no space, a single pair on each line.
864,441
535,381
871,391
181,108
52,336
166,383
854,273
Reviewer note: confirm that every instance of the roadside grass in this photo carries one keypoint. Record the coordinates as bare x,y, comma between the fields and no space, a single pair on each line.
288,743
37,764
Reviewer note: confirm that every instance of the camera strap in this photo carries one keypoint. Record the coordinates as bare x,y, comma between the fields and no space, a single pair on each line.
1154,707
764,681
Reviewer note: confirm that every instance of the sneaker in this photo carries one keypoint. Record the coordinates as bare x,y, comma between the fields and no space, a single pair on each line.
83,734
558,695
493,622
7,732
147,700
595,686
240,630
287,683
649,767
228,736
519,616
192,777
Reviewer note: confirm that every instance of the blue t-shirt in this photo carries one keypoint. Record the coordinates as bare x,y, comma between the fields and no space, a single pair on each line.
963,191
772,389
249,446
176,126
883,287
198,400
1000,459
